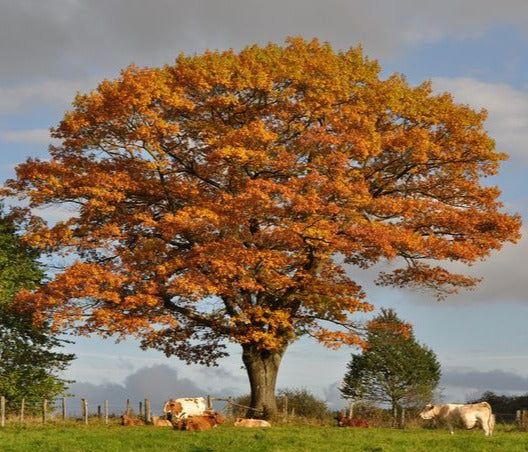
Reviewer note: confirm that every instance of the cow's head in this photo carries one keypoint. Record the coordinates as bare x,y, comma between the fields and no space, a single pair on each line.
428,412
219,419
171,406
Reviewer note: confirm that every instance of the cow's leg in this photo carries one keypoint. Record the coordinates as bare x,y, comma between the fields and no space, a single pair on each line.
451,428
485,427
491,423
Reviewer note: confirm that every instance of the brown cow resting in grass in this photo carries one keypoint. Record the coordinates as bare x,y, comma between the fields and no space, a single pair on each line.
343,421
241,422
159,421
199,423
127,421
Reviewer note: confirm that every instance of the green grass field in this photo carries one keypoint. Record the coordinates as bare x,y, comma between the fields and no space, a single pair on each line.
227,438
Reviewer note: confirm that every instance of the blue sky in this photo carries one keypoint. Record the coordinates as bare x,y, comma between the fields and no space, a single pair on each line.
475,49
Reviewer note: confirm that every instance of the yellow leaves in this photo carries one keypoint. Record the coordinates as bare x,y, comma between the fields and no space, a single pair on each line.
45,238
336,339
269,329
192,219
216,192
239,155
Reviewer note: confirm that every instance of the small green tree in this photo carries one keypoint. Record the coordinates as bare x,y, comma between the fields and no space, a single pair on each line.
395,369
29,360
303,402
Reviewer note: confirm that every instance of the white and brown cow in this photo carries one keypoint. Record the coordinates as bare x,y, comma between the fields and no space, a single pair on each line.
182,408
469,416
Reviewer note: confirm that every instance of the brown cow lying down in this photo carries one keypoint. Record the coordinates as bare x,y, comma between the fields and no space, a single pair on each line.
159,421
343,421
199,423
240,422
127,420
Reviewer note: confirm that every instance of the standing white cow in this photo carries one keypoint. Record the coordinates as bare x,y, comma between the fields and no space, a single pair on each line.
467,415
176,409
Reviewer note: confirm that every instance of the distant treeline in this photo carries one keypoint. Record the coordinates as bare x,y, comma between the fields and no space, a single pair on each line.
503,405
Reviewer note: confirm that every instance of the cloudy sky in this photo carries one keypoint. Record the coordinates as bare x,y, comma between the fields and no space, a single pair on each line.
475,49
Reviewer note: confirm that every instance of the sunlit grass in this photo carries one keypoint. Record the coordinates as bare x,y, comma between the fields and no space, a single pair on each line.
71,438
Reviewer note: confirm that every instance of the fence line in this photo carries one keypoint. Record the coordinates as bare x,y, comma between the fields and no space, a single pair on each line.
46,410
55,410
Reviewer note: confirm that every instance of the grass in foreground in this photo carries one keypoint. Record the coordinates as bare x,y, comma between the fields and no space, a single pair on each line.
226,439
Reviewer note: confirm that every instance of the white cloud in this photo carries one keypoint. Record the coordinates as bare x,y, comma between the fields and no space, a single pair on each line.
40,136
57,93
504,276
50,49
332,396
507,107
61,37
503,280
496,380
468,384
157,383
7,167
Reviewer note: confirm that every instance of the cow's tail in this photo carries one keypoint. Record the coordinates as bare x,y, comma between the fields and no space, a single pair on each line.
491,418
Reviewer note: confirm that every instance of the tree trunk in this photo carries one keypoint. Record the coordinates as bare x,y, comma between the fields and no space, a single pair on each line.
394,414
262,367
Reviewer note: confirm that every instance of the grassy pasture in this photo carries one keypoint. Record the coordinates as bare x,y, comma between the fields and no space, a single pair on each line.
115,438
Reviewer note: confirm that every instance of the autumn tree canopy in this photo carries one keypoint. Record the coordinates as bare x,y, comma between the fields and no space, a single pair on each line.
209,199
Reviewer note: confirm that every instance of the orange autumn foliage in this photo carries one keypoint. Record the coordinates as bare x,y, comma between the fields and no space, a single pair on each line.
212,197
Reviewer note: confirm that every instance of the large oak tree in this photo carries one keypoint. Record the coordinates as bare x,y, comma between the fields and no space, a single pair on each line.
212,197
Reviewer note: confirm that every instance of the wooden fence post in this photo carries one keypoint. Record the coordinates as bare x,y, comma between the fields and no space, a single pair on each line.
285,405
99,412
84,404
209,403
147,411
106,412
402,418
63,401
128,408
229,410
44,411
140,411
2,411
22,406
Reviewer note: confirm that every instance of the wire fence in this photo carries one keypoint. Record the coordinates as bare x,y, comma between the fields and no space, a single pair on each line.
81,410
70,408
